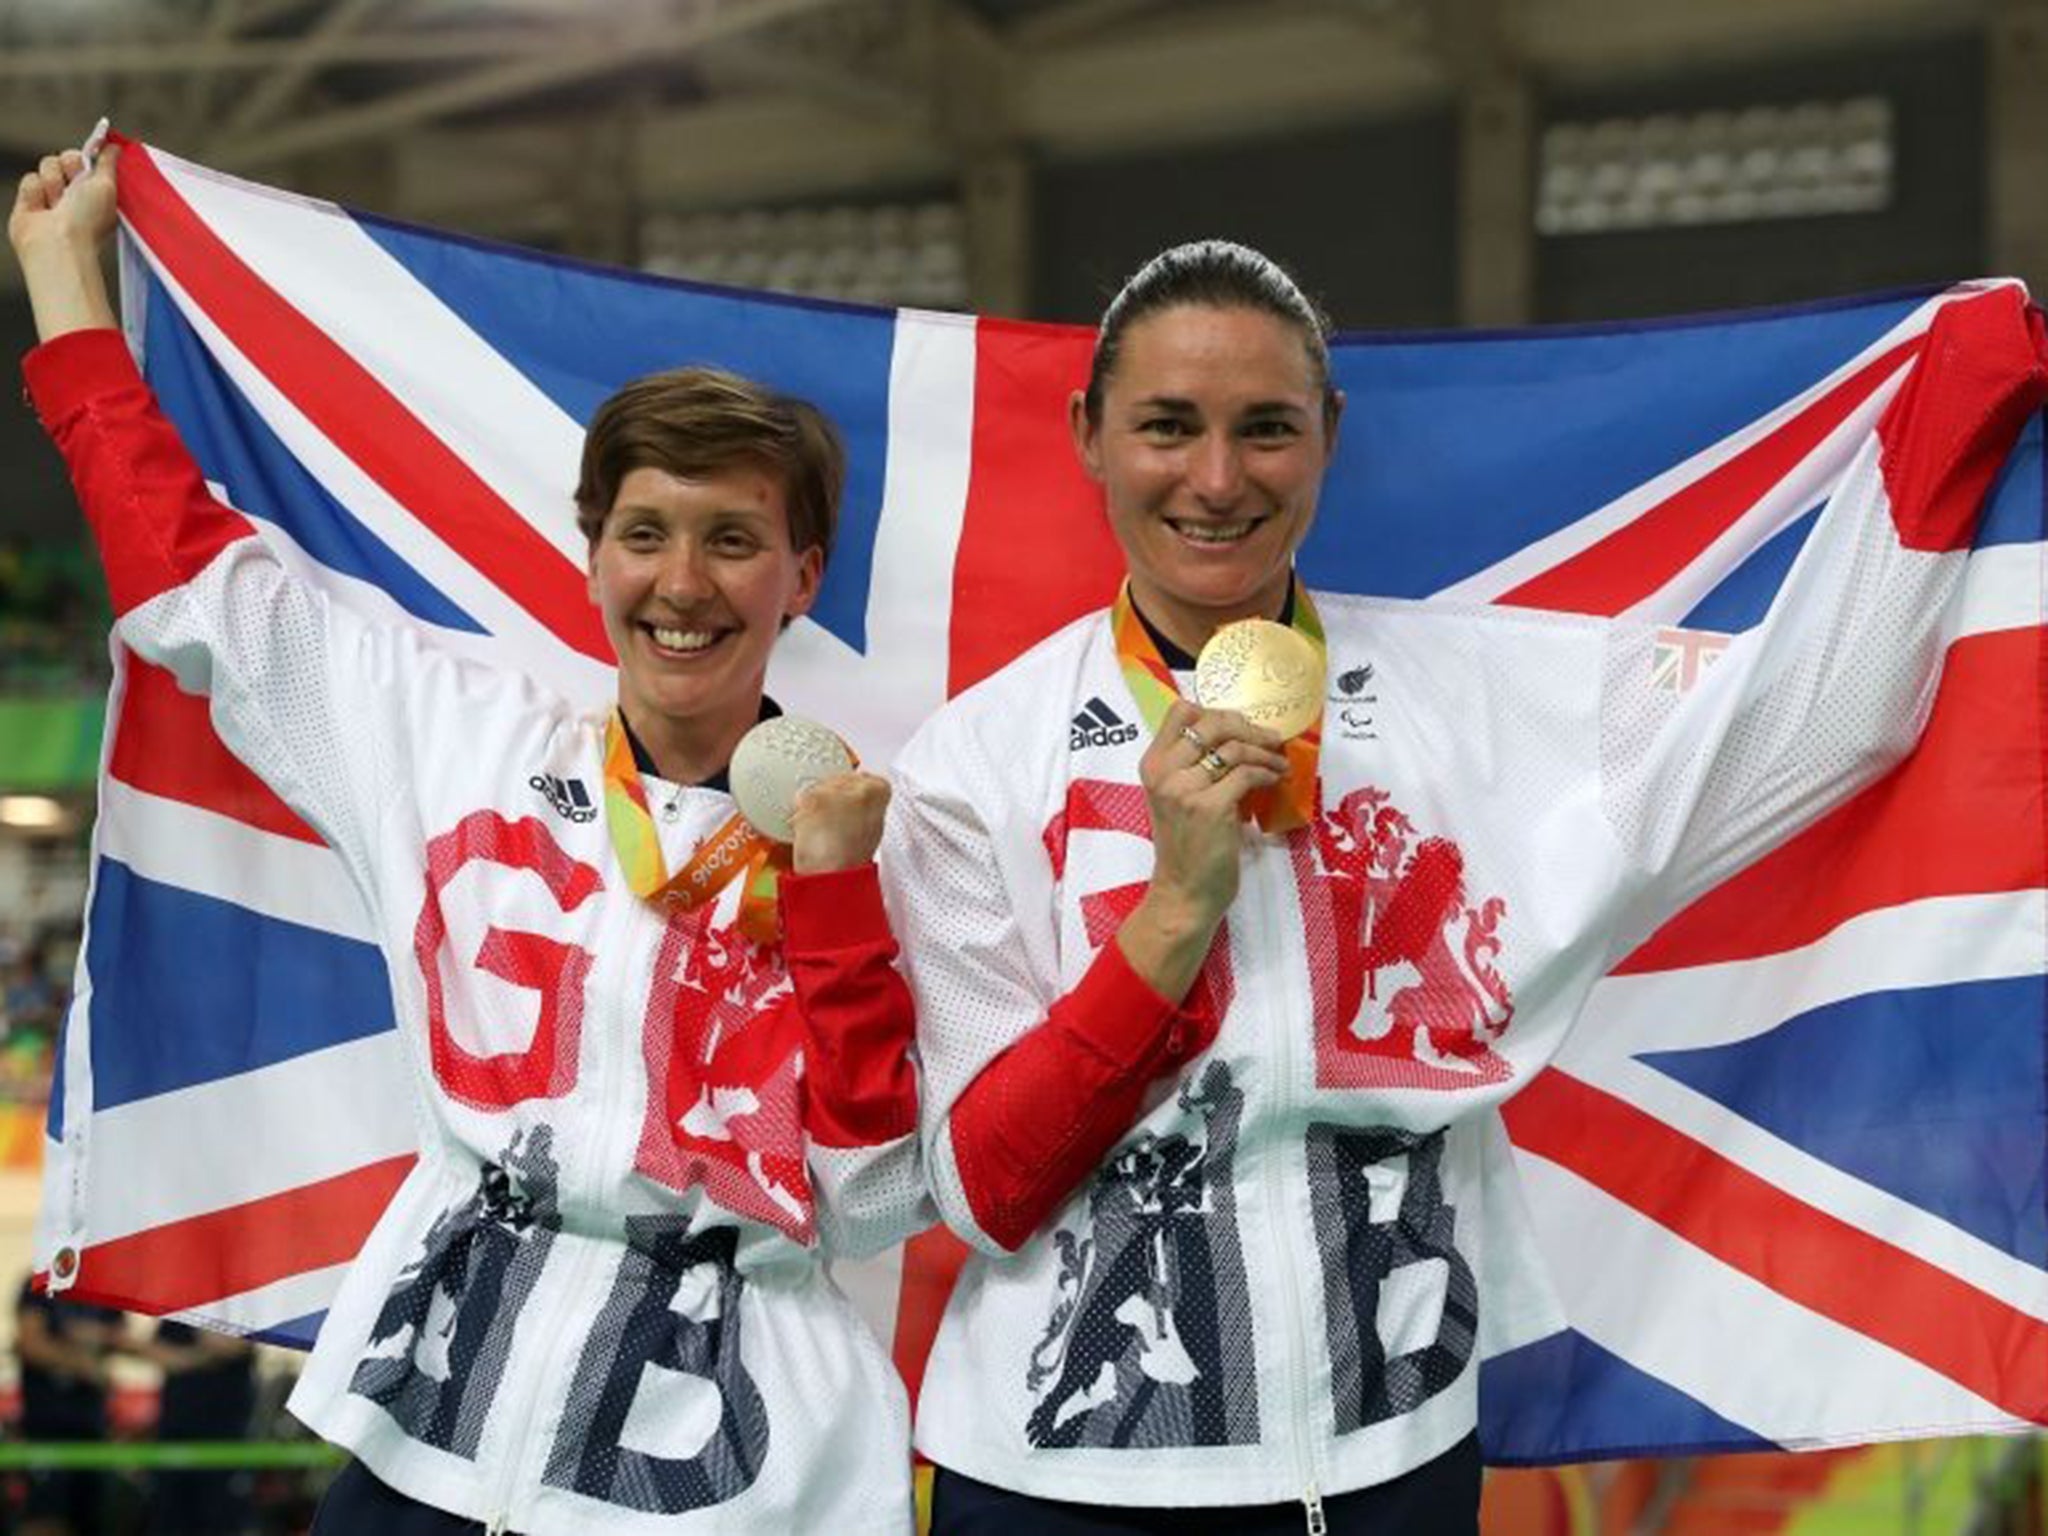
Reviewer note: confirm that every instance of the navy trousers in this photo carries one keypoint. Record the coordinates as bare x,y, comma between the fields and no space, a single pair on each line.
1438,1498
356,1504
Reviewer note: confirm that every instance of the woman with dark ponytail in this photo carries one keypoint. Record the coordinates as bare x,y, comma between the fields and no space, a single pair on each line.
1215,1014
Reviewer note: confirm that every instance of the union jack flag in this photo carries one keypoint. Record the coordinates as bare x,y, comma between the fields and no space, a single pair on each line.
1681,657
1789,1175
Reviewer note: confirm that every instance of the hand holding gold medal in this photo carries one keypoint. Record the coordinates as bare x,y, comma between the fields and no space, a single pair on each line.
1267,672
1271,674
797,783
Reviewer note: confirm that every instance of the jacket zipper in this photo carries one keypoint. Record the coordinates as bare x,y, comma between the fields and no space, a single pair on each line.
549,1344
615,936
1276,1191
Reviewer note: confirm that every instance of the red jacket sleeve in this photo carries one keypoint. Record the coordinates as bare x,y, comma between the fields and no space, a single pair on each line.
860,1085
1038,1119
156,523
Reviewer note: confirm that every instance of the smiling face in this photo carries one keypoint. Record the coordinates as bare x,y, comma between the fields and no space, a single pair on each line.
1210,448
694,578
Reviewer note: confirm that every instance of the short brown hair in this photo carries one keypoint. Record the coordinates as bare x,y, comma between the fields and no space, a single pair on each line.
695,422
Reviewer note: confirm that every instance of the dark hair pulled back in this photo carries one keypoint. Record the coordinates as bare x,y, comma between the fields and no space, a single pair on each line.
1210,274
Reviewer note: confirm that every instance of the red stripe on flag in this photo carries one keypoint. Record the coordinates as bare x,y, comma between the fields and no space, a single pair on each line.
1802,1253
205,1259
165,745
362,418
1963,815
931,1265
1035,548
1650,550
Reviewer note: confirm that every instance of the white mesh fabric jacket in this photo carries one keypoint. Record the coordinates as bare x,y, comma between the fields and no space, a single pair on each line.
593,1305
1279,1280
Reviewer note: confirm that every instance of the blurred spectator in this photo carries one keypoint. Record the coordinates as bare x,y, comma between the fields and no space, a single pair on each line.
64,1349
53,617
34,991
33,998
209,1393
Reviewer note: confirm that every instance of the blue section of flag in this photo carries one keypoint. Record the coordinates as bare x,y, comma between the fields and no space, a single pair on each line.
1564,1398
187,989
1744,595
1455,452
1938,1095
560,322
53,1115
262,477
299,1333
2013,513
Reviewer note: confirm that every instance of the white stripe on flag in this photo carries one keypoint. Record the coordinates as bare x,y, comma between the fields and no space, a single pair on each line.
1932,942
212,855
2003,590
1825,1187
491,416
241,1138
267,1306
365,598
1845,1388
878,699
1803,485
1545,554
526,644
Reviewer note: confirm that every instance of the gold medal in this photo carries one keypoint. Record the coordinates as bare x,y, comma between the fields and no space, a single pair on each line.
1267,672
775,762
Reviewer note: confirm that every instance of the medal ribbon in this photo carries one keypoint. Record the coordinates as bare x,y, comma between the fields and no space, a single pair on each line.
735,849
1281,808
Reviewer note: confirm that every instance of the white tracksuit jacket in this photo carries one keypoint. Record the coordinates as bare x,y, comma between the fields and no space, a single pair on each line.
599,1301
1280,1279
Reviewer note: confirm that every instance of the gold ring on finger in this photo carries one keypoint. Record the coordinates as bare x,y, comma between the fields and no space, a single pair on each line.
1213,764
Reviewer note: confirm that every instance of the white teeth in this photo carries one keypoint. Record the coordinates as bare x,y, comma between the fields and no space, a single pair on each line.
1215,533
681,639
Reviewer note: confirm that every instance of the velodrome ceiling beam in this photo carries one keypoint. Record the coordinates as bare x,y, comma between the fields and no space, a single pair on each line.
831,83
1480,43
2016,133
255,14
222,17
598,182
1219,76
1075,21
503,181
742,151
242,55
777,149
1281,71
31,119
973,72
1578,42
492,85
276,89
1215,75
